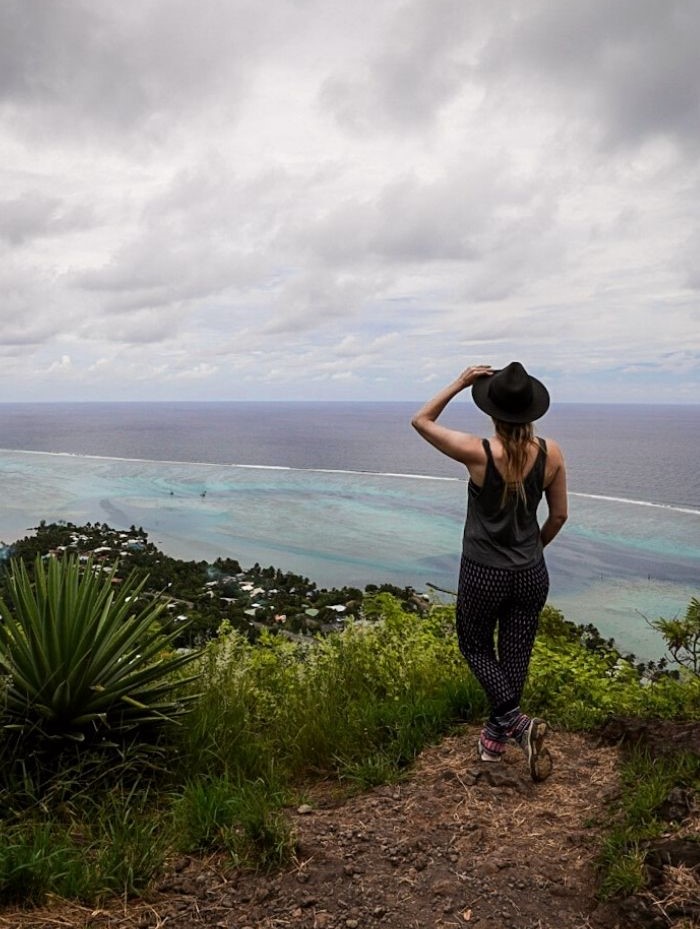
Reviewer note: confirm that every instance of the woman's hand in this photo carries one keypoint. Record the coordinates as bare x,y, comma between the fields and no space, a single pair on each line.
461,446
471,374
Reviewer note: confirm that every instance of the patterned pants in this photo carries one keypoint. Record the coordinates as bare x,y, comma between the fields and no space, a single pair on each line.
513,600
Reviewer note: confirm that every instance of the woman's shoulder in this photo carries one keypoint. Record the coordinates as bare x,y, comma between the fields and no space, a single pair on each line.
553,448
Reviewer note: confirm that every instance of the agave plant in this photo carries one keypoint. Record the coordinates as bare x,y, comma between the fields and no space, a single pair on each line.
84,656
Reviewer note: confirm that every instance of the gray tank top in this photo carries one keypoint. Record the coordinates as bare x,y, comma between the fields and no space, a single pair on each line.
504,536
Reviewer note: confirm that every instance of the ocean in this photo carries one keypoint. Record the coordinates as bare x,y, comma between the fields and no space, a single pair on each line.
347,493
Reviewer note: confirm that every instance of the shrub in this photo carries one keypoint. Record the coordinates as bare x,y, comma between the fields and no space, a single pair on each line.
682,637
85,659
578,681
360,703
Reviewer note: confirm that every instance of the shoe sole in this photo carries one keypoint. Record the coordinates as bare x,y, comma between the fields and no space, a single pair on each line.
538,758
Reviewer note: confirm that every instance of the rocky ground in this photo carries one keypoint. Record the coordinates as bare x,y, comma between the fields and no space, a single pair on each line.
457,844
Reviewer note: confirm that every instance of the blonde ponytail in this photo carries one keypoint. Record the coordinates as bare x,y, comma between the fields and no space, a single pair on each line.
516,439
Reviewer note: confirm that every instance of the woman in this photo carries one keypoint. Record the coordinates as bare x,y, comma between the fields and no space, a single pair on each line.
503,577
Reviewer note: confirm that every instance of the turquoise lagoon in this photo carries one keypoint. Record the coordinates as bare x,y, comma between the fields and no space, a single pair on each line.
616,562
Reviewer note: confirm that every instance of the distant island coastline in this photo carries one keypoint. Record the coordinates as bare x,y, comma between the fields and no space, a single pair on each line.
203,595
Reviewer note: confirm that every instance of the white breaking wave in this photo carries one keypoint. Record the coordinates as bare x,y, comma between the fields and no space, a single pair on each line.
214,464
660,506
366,473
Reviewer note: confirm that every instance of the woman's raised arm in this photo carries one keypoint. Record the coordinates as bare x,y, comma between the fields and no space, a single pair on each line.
462,446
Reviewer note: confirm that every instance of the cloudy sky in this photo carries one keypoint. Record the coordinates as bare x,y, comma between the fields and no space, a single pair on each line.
317,199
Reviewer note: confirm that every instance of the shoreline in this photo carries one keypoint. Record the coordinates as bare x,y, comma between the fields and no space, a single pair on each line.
181,556
612,564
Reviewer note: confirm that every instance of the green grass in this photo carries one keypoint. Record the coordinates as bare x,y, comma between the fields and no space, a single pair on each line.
115,846
244,820
272,718
281,712
646,783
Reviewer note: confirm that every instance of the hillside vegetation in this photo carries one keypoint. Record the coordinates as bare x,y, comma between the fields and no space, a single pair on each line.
138,742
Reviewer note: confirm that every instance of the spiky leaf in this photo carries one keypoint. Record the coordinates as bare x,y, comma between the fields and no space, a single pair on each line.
86,654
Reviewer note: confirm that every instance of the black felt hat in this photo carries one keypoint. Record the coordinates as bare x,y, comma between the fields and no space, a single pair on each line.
511,395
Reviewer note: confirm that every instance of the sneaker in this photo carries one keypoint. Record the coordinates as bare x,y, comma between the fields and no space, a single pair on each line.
539,761
486,755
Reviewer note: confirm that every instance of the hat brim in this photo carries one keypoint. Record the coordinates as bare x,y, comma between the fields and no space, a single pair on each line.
537,408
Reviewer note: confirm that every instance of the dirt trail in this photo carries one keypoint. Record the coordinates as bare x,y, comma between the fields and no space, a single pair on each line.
457,844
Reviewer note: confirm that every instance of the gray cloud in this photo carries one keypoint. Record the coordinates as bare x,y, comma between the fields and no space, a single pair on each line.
26,216
416,65
632,65
28,332
82,67
409,220
630,68
215,201
316,298
142,327
177,254
33,214
31,315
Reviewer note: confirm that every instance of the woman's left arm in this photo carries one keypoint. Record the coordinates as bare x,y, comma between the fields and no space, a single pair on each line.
461,446
555,493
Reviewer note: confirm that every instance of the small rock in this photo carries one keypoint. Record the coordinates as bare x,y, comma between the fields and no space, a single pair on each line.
560,890
468,778
442,888
677,805
304,809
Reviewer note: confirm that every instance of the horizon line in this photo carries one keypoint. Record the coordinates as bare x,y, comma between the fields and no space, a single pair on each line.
5,403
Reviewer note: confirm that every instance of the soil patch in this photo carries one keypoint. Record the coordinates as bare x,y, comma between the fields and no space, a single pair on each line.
660,737
672,861
457,844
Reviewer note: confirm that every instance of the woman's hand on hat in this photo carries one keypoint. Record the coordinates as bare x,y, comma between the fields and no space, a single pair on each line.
473,373
424,421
